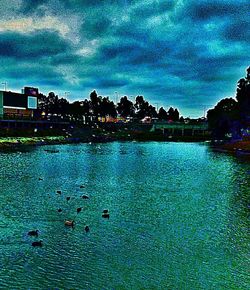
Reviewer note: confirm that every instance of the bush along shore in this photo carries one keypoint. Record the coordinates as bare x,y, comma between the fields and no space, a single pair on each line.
6,142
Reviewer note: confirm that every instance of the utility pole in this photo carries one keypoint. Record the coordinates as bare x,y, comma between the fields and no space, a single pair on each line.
116,98
5,85
205,107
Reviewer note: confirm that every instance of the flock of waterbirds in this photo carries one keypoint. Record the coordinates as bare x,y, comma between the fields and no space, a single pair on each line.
67,223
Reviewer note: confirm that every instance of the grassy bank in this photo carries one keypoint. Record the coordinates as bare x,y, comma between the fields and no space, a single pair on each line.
18,141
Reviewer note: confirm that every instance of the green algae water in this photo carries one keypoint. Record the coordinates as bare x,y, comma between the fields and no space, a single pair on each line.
179,217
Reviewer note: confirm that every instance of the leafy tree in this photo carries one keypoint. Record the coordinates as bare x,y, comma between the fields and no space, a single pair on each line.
42,103
107,108
181,119
176,115
151,111
95,102
162,115
112,109
76,111
143,108
63,107
243,95
93,98
85,107
125,107
221,118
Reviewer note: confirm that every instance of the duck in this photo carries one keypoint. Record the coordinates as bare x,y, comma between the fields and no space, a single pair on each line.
40,178
59,210
68,198
82,186
59,191
105,215
79,209
33,233
86,229
105,211
69,223
85,197
37,244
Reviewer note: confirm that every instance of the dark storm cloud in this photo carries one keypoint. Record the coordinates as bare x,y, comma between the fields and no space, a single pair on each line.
29,6
184,53
238,30
204,10
34,45
110,82
65,58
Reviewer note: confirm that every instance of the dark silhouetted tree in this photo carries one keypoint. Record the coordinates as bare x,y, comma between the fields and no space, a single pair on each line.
107,108
162,115
125,107
222,117
181,119
95,103
243,95
63,107
176,115
143,108
171,114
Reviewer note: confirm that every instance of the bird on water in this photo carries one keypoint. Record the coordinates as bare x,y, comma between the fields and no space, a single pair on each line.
37,244
69,223
79,209
33,233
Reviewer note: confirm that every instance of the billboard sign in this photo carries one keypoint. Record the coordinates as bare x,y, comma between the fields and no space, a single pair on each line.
30,91
32,102
15,100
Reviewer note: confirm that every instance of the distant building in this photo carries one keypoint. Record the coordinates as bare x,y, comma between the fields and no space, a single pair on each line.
16,105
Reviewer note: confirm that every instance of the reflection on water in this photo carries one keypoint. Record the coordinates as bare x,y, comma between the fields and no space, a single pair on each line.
179,217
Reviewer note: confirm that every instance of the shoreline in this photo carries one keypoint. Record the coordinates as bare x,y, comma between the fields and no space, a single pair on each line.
236,148
14,142
240,148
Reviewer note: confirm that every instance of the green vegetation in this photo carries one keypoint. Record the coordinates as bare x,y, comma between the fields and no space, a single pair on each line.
91,109
230,115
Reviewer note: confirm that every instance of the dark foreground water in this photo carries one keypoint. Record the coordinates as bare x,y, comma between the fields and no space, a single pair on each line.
178,218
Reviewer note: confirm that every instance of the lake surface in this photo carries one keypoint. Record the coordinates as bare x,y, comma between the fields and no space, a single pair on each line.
179,217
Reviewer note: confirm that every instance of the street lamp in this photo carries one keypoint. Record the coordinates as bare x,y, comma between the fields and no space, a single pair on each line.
205,109
66,94
5,85
156,106
116,97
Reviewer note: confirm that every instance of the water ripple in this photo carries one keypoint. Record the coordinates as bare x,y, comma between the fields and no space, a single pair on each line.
179,218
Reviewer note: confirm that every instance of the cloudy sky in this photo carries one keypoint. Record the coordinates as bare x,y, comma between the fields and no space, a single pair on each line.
184,53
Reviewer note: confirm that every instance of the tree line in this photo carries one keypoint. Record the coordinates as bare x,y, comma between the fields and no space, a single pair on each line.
230,115
97,106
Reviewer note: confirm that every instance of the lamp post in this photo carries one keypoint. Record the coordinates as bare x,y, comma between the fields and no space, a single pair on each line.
156,106
116,98
205,109
66,94
5,85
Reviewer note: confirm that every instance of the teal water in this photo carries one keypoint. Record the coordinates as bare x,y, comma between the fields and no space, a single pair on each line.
179,217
